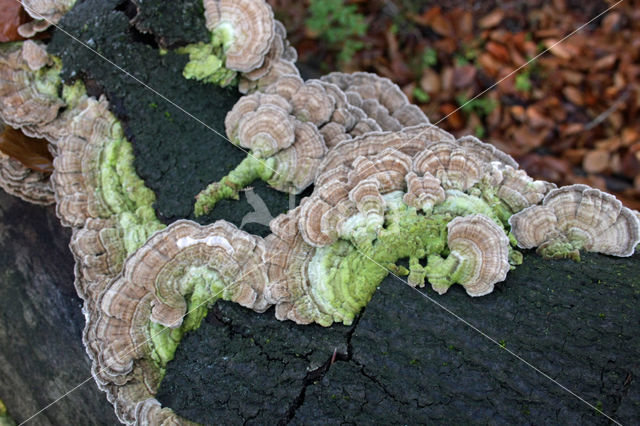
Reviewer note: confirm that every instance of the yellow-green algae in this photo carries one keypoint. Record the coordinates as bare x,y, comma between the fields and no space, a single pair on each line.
249,169
207,60
5,419
343,276
202,287
124,194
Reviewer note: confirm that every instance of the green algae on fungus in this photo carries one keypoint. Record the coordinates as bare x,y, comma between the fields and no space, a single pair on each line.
206,61
250,169
95,177
202,288
5,419
165,290
29,96
343,277
245,29
478,256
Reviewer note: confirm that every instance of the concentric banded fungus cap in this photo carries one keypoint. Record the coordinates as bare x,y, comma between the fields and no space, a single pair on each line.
248,28
518,190
409,141
45,13
76,175
423,192
479,256
20,181
380,98
183,263
99,254
151,412
345,191
280,60
27,96
577,217
16,178
289,257
453,166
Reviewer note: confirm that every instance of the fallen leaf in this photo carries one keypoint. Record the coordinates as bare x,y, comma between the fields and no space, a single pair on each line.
498,51
11,17
430,81
31,152
464,76
573,95
595,161
454,117
491,20
606,62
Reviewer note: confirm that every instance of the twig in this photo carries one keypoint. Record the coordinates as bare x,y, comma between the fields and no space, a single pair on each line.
599,119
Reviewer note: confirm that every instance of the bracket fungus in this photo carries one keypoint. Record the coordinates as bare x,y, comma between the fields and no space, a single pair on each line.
44,13
381,99
163,291
25,166
388,186
23,182
245,28
245,39
479,256
577,217
286,128
29,89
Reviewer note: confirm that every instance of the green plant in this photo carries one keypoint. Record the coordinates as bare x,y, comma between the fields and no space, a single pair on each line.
523,81
420,95
481,106
339,24
429,57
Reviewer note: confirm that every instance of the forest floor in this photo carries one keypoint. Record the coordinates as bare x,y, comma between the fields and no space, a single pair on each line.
570,116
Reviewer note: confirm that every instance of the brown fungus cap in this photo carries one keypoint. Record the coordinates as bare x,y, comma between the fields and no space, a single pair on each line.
45,13
27,184
342,192
380,98
577,216
151,288
99,254
279,60
251,25
23,104
75,177
289,285
518,190
423,192
453,166
482,249
409,141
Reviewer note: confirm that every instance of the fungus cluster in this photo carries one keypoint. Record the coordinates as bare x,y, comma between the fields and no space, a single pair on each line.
289,125
388,186
245,40
574,218
44,13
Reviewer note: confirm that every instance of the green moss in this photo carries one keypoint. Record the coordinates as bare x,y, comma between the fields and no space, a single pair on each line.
561,248
73,93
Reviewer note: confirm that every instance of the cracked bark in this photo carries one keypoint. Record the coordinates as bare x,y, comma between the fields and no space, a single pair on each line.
407,360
